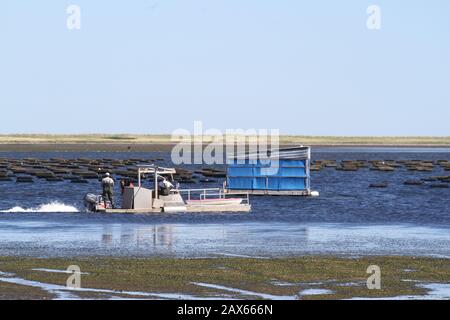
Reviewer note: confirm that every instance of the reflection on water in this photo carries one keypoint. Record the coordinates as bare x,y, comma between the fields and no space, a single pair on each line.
141,236
76,238
107,236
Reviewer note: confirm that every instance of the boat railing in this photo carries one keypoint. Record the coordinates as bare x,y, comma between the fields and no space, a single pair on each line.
210,193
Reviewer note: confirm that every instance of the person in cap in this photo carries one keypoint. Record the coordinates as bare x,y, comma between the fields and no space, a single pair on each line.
108,189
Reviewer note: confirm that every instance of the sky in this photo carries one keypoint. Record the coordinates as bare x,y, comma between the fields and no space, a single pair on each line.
149,66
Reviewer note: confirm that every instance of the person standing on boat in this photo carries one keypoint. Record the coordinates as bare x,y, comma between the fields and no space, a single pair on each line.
165,186
126,183
108,189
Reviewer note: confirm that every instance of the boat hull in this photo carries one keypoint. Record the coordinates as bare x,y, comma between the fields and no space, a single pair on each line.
189,208
214,202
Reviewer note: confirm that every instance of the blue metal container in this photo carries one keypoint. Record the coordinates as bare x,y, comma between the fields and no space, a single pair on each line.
283,172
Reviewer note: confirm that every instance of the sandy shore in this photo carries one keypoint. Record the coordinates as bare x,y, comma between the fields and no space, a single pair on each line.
164,147
146,143
84,147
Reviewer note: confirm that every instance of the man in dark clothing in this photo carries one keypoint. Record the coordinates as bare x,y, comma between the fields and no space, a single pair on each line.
108,189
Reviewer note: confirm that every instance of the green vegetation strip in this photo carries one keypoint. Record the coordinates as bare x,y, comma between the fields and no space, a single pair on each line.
345,277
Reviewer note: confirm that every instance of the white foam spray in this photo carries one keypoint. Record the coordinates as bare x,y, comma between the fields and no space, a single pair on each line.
46,208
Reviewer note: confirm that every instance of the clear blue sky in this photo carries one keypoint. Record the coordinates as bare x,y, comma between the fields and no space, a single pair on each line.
148,66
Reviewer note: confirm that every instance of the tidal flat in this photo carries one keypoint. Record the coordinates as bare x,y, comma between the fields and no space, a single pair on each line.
294,278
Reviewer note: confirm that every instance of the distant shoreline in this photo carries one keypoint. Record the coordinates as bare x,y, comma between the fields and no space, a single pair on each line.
165,147
147,143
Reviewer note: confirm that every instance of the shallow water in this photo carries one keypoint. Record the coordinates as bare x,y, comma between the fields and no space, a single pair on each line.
74,236
348,218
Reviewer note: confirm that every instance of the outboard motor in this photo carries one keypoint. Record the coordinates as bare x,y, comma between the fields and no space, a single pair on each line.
90,201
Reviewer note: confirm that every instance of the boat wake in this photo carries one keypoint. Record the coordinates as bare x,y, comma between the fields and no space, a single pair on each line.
46,208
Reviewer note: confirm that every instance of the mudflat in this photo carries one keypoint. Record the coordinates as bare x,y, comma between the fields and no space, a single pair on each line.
307,277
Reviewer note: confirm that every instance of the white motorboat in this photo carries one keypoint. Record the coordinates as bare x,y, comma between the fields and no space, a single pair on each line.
144,200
